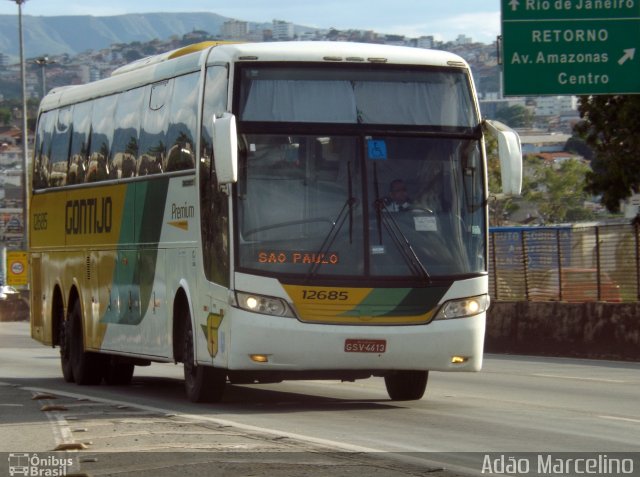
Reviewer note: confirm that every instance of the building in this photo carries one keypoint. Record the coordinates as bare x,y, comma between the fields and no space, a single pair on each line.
282,30
490,107
463,40
539,142
555,105
10,136
234,30
631,206
425,42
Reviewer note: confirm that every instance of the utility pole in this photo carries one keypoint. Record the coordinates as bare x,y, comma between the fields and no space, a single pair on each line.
25,142
43,61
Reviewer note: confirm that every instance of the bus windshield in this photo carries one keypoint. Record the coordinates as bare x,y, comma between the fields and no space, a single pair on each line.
366,198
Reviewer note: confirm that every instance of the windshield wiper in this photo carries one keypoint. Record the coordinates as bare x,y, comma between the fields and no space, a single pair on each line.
384,217
347,210
404,245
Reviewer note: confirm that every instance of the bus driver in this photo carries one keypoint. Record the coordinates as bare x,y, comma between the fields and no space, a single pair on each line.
398,199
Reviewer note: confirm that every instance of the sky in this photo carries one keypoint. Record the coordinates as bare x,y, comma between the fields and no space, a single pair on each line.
444,19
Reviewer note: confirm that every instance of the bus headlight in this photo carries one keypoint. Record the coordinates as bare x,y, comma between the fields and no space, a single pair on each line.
266,305
463,307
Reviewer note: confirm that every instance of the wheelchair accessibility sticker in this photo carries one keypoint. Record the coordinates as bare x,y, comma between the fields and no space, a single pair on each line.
377,149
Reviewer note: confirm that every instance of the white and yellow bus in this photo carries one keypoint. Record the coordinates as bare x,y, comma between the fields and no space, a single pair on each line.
263,212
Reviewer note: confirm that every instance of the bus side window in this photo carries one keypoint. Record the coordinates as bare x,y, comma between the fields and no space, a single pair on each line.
214,210
182,123
124,151
59,154
79,153
43,145
101,139
155,120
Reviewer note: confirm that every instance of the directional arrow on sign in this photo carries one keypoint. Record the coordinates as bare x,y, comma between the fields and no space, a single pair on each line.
514,4
629,53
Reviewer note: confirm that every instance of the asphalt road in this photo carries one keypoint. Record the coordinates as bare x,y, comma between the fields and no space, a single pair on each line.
515,405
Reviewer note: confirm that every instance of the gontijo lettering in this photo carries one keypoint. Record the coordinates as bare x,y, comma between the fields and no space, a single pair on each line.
88,216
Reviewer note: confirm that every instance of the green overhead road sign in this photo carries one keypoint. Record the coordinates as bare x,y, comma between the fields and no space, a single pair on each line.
571,47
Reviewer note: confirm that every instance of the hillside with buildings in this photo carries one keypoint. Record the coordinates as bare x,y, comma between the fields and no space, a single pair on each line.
548,126
126,38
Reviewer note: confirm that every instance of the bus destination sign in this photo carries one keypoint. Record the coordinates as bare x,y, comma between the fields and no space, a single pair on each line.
571,47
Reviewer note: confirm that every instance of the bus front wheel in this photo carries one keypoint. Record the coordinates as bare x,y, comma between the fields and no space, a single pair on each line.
406,385
202,383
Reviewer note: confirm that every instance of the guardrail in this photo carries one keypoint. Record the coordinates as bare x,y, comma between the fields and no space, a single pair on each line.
570,263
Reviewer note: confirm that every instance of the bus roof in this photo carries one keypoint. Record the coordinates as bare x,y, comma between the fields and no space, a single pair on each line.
192,57
335,52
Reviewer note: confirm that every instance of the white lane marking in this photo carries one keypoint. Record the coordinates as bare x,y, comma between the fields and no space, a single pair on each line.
61,430
579,378
615,418
222,422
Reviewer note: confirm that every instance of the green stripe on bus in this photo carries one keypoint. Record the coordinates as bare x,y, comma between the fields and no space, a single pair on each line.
398,302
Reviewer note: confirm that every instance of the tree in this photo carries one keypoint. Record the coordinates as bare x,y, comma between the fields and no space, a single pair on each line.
515,116
557,189
5,116
611,126
577,145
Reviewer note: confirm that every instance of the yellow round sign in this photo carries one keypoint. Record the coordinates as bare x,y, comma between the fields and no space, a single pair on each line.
17,268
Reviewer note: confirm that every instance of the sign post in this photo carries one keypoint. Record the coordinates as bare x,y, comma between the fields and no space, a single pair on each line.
571,47
17,263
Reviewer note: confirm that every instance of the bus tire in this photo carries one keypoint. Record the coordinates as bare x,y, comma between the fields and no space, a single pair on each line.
202,383
64,339
87,367
406,385
118,374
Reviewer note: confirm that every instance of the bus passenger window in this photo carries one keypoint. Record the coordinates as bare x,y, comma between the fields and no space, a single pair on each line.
43,146
182,123
59,159
79,153
152,148
125,137
101,139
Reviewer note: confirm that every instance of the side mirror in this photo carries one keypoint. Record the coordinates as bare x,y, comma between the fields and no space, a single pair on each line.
225,148
510,154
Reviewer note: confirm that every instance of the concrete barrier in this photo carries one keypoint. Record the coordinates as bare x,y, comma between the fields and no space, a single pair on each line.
580,330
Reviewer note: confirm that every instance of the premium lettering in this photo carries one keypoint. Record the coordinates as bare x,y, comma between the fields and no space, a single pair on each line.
88,216
185,211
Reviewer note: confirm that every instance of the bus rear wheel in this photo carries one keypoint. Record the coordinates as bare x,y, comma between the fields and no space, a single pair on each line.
64,340
406,385
202,383
87,367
